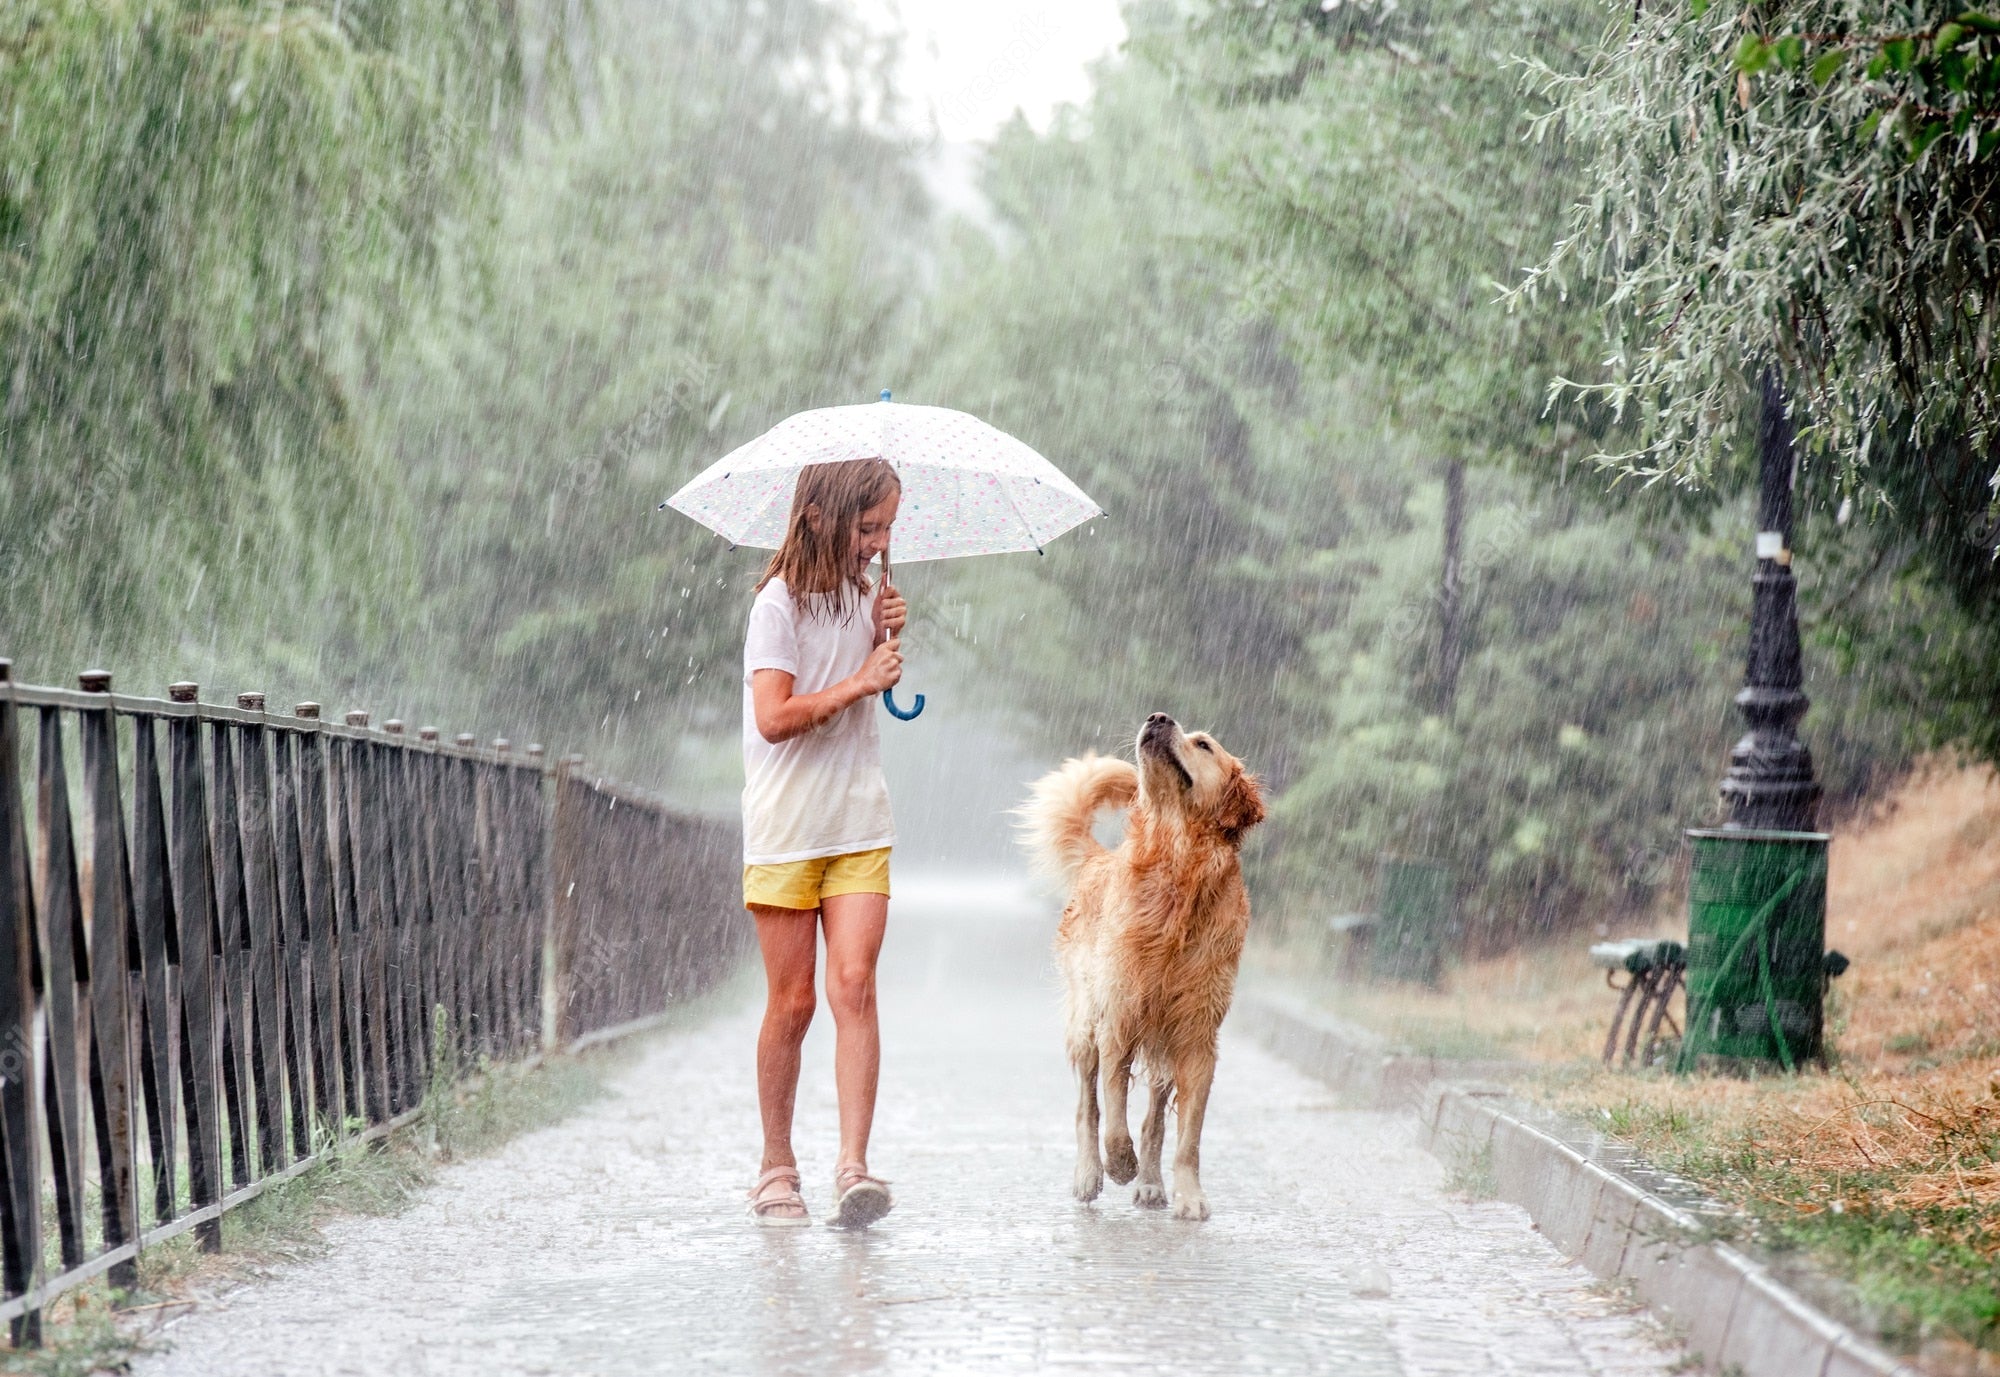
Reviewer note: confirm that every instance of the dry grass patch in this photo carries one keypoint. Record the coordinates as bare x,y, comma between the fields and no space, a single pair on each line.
1885,1169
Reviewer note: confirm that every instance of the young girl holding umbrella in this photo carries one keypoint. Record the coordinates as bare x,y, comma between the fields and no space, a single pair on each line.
824,488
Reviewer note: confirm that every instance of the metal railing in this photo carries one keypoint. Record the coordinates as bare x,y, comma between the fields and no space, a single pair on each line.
647,905
225,953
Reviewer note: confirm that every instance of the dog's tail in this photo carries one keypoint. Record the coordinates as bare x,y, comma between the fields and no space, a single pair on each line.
1055,821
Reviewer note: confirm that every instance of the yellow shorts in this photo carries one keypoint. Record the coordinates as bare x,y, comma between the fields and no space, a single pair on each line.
802,884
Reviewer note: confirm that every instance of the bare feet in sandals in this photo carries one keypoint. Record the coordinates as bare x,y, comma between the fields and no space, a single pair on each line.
775,1201
859,1199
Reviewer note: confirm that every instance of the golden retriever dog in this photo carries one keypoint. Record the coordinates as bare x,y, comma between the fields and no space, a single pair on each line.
1149,943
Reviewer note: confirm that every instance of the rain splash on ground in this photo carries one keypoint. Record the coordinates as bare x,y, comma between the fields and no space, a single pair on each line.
617,1243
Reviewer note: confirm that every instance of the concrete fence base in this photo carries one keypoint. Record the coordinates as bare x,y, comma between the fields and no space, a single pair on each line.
1592,1199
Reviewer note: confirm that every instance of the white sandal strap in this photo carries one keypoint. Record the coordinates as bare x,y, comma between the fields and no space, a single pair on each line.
774,1175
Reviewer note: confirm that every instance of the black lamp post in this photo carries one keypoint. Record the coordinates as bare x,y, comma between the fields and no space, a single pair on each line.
1757,963
1770,784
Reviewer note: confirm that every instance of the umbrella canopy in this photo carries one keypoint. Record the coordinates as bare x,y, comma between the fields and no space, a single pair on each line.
968,488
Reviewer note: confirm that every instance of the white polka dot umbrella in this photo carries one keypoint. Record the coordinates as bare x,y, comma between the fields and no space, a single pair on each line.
968,488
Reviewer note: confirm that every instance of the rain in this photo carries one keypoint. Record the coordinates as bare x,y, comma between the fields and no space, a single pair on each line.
1550,444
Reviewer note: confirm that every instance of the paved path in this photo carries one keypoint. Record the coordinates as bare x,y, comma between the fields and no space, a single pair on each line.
616,1242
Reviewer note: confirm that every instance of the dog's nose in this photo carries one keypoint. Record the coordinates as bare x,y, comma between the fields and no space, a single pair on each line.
1157,718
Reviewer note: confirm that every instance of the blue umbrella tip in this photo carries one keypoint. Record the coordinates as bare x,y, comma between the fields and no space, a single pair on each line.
885,394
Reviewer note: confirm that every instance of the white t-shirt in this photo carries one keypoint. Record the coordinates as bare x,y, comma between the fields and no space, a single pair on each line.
820,794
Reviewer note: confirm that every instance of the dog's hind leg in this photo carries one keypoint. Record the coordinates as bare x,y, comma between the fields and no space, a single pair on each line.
1194,1076
1121,1163
1151,1192
1089,1170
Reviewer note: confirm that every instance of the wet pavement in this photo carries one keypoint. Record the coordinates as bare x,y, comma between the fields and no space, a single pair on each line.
616,1242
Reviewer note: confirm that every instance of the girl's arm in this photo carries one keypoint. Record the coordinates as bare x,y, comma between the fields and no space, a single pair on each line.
782,714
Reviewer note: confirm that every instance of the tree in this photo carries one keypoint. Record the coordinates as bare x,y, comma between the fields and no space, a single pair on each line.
720,245
1807,184
204,206
1229,390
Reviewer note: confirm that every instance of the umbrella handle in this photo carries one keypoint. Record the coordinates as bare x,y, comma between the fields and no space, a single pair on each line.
889,695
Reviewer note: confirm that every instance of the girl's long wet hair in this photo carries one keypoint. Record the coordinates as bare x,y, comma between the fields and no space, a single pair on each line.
818,566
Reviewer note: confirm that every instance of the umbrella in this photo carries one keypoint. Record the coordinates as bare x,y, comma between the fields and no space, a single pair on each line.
968,487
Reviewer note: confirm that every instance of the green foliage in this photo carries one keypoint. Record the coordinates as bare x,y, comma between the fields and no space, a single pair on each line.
1375,154
722,252
1098,326
338,357
1272,560
201,206
1808,184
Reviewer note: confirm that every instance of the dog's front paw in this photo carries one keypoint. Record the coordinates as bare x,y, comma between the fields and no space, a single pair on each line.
1088,1183
1150,1195
1191,1205
1121,1163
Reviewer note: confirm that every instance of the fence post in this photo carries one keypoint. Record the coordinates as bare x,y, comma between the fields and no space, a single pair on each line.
389,795
440,987
373,879
111,1001
68,976
254,818
292,944
155,925
506,902
200,948
233,922
413,890
345,848
540,888
320,903
21,1199
563,900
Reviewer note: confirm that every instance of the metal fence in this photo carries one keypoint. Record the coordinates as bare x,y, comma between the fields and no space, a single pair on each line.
647,904
225,952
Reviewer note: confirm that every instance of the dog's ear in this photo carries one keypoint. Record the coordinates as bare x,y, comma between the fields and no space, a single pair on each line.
1242,805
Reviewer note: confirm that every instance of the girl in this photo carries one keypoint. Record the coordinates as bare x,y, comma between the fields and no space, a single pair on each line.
816,825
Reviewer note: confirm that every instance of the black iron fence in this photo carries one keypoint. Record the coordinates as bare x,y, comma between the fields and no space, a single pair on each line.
647,904
231,939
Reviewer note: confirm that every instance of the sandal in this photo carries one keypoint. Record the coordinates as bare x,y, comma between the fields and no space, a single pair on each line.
775,1201
860,1199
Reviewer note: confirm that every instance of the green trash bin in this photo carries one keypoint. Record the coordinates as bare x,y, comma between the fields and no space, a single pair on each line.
1413,920
1757,966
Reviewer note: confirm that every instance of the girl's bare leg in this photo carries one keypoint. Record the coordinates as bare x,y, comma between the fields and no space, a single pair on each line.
854,927
789,940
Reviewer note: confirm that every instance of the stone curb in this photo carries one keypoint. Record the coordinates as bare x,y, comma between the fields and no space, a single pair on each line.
1736,1315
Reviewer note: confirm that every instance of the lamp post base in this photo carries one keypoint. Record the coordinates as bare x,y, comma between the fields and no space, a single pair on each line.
1757,970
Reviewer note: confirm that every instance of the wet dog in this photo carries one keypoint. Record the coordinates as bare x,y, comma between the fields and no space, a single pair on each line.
1149,944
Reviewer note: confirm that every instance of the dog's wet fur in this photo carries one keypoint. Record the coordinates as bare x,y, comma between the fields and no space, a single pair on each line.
1149,944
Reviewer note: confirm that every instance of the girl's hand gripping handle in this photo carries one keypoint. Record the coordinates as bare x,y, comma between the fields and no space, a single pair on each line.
883,669
891,613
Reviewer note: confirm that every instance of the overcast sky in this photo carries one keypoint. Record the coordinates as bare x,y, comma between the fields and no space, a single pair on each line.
974,62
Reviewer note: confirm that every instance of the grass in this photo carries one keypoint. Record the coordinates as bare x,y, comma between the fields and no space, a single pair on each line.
1883,1171
1470,1174
98,1328
1895,1196
95,1328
